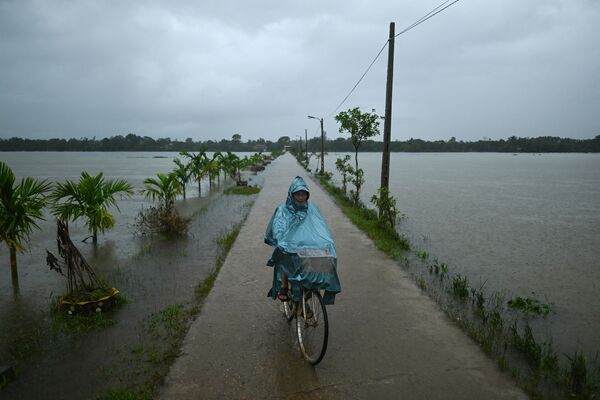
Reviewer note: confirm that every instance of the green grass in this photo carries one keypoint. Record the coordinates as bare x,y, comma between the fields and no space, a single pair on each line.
384,237
243,190
171,319
225,243
75,325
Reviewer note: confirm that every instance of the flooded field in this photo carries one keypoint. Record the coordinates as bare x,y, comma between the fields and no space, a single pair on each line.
525,225
158,278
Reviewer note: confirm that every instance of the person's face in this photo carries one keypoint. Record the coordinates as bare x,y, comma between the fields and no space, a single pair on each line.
300,197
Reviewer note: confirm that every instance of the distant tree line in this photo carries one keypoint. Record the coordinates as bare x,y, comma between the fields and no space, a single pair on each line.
132,142
542,144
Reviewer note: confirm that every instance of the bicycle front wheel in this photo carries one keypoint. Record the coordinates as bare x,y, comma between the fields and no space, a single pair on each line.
312,327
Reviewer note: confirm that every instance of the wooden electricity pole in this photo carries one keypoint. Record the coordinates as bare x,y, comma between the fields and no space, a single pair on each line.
306,146
387,123
322,172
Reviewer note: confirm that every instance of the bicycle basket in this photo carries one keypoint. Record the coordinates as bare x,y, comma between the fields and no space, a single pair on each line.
316,260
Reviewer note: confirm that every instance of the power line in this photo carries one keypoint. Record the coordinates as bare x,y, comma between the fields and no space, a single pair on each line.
424,18
361,78
430,14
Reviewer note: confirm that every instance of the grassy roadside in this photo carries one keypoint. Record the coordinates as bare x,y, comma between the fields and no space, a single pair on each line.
162,334
385,238
502,328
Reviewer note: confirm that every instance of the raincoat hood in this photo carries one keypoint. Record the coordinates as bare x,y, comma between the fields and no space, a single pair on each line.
297,185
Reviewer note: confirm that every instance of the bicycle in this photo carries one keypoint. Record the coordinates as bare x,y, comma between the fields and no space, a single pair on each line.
312,325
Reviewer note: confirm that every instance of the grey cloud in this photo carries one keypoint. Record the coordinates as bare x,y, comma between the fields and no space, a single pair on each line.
210,69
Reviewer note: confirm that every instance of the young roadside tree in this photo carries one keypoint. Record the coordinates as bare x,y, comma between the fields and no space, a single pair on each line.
90,198
164,188
164,218
182,174
212,169
235,167
341,164
20,205
228,164
197,166
361,126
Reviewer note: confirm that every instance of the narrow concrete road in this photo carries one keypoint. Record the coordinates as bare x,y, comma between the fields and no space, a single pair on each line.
387,339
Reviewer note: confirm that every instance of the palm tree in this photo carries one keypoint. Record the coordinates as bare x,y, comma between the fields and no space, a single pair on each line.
197,166
165,188
90,198
228,164
182,174
238,164
220,159
20,205
257,160
213,168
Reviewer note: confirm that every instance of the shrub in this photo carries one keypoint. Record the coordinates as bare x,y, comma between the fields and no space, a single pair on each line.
161,220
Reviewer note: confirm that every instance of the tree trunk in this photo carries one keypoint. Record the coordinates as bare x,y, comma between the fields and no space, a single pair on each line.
95,235
13,267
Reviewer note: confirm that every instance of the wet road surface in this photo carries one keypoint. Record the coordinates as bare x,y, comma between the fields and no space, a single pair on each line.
387,339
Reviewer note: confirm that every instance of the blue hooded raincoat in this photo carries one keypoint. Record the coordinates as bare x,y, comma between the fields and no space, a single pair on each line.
304,247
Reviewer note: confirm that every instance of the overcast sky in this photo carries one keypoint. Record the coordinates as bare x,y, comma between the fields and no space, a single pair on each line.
210,69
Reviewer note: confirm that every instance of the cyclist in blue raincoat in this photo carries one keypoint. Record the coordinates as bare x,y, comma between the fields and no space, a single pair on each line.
304,252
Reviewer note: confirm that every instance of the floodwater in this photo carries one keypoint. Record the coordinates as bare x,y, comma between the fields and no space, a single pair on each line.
152,274
518,223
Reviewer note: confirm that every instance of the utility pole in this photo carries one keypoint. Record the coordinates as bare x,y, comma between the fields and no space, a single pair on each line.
322,149
306,144
387,123
322,145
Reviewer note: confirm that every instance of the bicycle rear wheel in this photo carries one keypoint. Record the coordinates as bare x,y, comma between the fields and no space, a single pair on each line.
312,326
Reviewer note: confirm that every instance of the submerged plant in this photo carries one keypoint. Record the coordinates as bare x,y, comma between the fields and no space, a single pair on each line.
161,220
529,305
577,373
550,364
460,286
526,344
